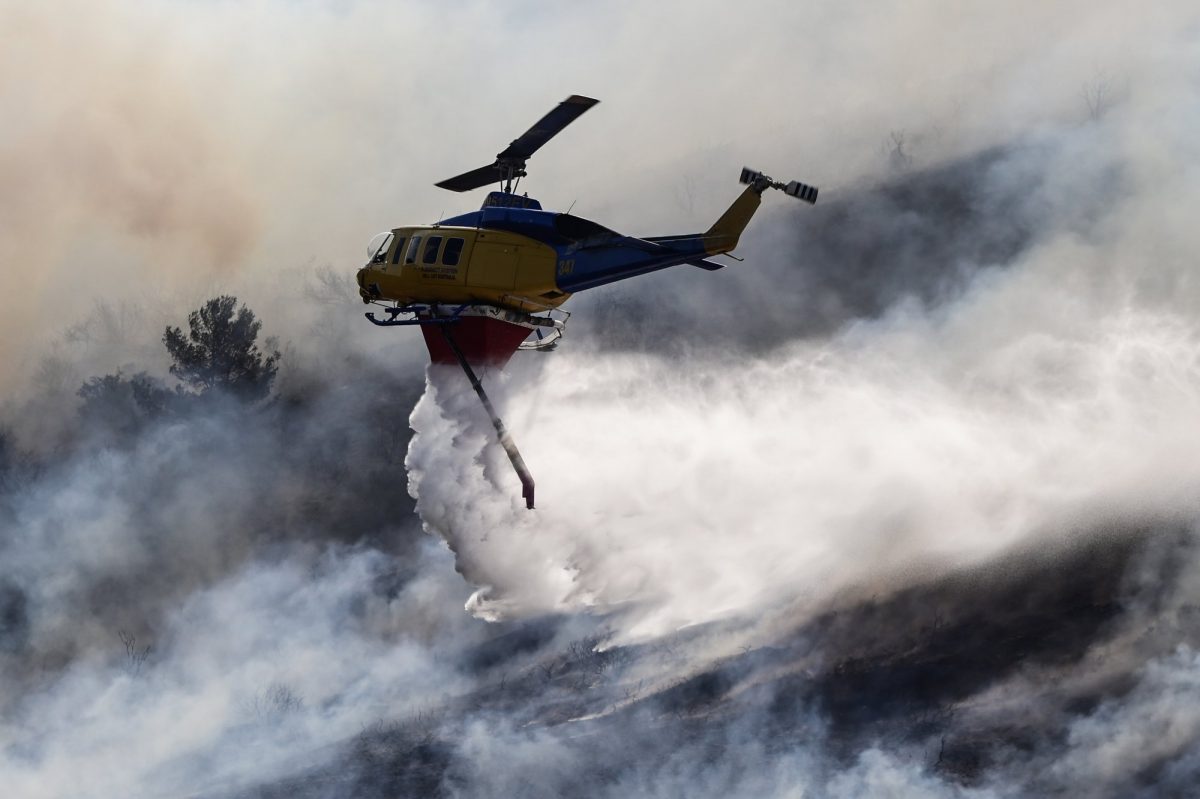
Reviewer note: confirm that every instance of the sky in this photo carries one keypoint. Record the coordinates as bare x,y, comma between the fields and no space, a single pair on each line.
163,148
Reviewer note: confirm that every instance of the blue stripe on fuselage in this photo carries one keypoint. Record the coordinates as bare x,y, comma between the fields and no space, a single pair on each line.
586,267
589,254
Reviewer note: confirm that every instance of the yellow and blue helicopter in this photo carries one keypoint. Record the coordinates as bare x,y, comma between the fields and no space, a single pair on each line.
487,283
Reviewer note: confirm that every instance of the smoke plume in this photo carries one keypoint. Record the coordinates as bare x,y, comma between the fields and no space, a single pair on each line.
904,504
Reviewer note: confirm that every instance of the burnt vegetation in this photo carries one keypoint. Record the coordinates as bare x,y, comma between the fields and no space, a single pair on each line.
913,672
224,379
324,458
946,673
220,351
218,359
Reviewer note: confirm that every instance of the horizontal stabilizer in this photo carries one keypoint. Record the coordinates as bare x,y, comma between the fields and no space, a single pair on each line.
705,263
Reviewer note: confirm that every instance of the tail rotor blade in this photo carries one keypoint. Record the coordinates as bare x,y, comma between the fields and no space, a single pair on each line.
794,188
749,175
801,191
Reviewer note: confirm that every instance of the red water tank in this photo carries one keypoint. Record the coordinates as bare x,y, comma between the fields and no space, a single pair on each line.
482,340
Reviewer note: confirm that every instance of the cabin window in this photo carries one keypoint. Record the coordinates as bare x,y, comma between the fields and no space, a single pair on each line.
414,247
452,252
398,251
431,249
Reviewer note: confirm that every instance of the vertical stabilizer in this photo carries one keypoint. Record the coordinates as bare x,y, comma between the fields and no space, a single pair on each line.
723,236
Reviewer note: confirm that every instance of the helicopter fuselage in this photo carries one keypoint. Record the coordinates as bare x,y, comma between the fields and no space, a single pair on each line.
528,259
452,264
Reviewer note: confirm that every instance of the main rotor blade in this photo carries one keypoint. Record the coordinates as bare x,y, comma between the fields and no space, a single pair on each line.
547,127
491,173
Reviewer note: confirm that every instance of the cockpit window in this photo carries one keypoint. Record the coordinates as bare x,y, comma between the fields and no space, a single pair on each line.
378,246
431,249
398,251
452,252
414,247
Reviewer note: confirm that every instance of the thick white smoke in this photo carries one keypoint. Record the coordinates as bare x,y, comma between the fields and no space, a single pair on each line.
198,149
248,677
1058,391
700,490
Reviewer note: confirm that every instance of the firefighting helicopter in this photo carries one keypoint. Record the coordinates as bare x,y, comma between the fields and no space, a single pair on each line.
485,284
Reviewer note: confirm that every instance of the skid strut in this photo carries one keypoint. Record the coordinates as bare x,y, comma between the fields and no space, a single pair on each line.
506,441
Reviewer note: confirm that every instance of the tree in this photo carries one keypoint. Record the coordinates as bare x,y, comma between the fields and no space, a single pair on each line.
219,352
8,460
1097,95
116,407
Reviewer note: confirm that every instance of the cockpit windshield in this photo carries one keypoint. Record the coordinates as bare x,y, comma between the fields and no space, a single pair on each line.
378,247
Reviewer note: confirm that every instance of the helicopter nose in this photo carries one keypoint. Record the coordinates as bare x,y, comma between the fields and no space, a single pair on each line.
363,291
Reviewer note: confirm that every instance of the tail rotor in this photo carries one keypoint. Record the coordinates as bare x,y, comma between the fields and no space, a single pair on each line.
794,188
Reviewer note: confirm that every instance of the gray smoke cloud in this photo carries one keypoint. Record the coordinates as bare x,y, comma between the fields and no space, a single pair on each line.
949,428
903,505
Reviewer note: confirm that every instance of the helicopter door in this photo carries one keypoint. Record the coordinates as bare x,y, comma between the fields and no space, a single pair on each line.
493,265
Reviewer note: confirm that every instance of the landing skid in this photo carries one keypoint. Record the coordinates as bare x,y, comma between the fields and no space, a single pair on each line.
548,329
422,316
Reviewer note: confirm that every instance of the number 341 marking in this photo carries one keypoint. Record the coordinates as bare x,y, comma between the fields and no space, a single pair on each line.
566,266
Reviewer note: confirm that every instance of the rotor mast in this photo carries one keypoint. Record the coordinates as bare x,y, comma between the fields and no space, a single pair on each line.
508,171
